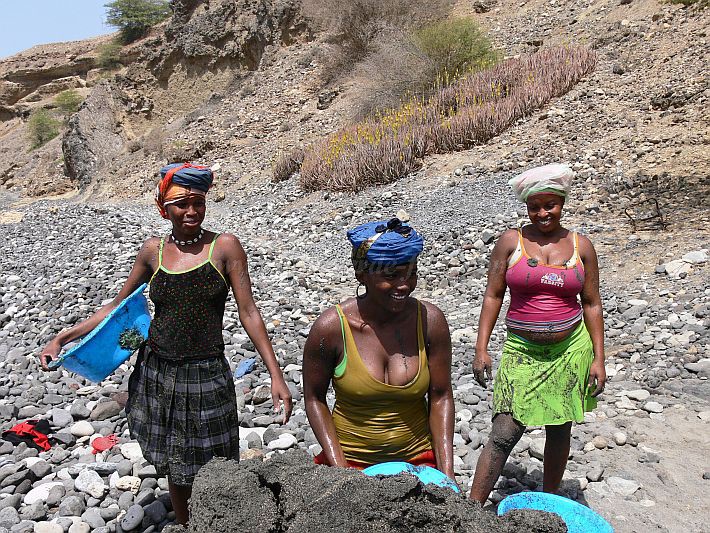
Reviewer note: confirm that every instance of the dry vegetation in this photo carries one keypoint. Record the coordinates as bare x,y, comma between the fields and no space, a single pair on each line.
470,111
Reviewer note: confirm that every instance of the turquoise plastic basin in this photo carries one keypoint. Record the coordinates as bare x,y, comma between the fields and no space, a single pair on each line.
426,474
98,354
577,517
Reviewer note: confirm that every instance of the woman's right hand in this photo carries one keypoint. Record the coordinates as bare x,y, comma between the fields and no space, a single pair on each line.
49,353
482,367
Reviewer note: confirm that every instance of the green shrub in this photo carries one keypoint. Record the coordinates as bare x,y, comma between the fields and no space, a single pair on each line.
42,127
135,17
68,101
109,55
357,24
455,46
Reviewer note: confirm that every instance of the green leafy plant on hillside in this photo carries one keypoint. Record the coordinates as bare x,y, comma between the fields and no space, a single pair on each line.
68,101
109,55
42,127
135,17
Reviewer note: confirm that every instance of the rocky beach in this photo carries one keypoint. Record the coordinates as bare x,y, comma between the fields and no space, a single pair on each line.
74,212
647,439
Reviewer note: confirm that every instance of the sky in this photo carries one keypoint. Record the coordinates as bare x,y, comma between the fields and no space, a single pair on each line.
26,23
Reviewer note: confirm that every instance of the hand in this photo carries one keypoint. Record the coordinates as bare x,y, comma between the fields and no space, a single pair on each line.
49,353
482,367
597,376
280,393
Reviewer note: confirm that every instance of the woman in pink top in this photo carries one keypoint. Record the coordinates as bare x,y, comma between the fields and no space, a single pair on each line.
552,366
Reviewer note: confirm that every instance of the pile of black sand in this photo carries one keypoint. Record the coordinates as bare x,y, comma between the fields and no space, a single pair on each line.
288,493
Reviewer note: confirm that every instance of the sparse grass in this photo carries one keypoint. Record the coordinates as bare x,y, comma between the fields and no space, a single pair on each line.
42,127
68,101
287,164
469,112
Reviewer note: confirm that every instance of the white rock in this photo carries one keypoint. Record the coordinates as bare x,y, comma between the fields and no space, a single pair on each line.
79,527
40,493
636,301
132,451
537,448
131,483
696,257
82,428
48,527
675,268
465,415
653,407
284,442
620,438
639,394
621,486
90,482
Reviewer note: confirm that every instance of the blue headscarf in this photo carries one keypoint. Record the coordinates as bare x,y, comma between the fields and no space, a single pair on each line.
389,242
192,176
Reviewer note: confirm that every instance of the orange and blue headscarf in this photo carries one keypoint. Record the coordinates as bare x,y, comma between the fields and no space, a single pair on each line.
384,243
180,181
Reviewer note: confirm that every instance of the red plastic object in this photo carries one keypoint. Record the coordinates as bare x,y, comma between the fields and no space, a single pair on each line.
101,444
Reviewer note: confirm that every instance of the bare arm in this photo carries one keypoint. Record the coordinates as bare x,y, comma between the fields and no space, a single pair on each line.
593,312
441,396
140,273
319,361
238,273
492,302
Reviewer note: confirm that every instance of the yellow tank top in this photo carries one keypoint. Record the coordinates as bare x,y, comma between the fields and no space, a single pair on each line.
377,422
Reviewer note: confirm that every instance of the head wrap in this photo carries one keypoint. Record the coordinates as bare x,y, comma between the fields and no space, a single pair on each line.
389,242
549,179
180,181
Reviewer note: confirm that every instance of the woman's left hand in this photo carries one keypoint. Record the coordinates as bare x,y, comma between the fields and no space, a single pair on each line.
279,394
597,376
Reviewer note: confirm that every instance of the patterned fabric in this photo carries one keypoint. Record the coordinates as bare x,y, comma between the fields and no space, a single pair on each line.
180,181
548,179
541,384
389,242
189,308
182,413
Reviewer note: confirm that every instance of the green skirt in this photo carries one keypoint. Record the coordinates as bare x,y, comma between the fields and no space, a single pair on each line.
541,384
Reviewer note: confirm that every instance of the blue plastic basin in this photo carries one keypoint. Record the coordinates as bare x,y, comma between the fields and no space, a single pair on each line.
426,474
98,354
577,517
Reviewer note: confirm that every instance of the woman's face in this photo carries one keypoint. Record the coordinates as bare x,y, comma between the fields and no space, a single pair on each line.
545,211
390,287
187,215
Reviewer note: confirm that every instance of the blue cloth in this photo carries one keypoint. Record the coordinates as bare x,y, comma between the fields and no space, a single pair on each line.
194,176
245,366
389,242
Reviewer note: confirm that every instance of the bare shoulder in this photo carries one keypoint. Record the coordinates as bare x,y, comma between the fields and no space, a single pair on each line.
229,244
150,247
327,325
433,312
585,245
508,240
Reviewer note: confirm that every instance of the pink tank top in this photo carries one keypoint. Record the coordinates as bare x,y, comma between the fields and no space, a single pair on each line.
543,297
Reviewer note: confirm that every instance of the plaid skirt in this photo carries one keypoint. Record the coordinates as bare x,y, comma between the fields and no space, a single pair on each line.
182,413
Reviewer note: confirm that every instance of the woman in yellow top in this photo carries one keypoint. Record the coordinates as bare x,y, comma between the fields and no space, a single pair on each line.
388,357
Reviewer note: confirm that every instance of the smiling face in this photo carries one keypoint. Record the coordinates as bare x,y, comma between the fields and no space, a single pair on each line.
390,287
187,215
545,211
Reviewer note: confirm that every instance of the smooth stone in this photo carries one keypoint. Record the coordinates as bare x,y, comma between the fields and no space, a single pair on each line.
623,487
90,482
72,506
82,428
48,527
79,527
105,410
132,451
653,407
133,518
41,493
537,448
284,442
620,438
600,442
639,394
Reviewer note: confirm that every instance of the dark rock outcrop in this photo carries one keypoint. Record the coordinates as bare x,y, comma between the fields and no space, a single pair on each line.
94,137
